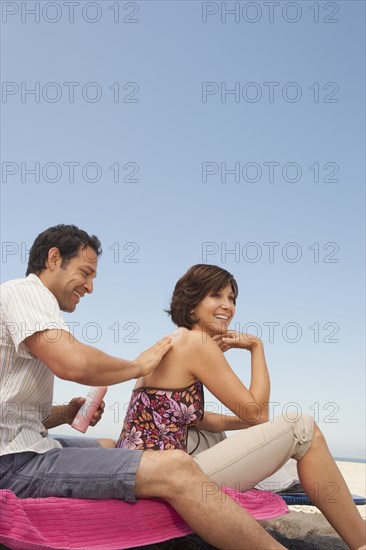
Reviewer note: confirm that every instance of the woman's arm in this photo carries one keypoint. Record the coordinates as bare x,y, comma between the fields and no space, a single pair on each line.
208,364
215,422
260,383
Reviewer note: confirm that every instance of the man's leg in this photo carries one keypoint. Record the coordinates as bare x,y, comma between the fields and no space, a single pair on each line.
88,472
120,473
173,476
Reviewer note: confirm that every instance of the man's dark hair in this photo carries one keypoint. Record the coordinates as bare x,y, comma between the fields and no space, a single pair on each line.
199,281
69,239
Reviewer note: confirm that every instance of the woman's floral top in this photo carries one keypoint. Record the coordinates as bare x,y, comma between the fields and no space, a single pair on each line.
158,419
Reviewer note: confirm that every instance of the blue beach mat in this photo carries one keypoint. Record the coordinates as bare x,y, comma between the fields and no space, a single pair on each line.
295,496
304,500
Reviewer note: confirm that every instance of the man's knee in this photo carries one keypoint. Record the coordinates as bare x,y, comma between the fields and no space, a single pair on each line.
163,473
177,466
182,472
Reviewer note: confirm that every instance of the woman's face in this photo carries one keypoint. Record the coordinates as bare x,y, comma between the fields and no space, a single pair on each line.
215,312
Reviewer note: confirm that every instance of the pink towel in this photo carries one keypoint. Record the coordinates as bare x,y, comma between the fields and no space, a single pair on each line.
66,523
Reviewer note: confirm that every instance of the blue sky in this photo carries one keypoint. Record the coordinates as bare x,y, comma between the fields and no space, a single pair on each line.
185,132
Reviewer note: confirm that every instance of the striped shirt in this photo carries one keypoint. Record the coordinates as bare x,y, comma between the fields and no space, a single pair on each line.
26,383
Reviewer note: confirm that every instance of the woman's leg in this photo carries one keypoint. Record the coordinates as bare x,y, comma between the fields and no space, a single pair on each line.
241,461
325,485
244,459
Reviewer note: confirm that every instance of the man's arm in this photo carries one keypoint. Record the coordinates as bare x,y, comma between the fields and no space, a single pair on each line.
71,360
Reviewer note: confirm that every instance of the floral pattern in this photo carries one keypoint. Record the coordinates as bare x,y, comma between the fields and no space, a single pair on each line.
158,419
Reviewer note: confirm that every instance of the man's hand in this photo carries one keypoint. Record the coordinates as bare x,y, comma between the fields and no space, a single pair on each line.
65,414
233,339
98,414
149,359
74,406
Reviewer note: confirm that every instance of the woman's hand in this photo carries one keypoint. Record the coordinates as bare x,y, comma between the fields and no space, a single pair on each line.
233,339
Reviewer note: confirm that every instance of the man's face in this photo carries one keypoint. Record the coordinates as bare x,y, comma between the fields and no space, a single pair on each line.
71,281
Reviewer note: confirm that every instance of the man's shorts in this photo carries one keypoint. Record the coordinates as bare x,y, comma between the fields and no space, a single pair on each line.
80,469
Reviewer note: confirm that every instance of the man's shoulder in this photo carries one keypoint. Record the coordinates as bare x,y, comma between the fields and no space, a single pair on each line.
27,288
12,282
32,281
11,287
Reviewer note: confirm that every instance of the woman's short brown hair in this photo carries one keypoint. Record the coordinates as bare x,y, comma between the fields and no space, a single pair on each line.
193,287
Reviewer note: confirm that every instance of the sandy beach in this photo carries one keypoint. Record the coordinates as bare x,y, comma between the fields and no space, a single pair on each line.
306,528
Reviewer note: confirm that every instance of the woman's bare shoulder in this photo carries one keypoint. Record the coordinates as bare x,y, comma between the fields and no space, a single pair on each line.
183,338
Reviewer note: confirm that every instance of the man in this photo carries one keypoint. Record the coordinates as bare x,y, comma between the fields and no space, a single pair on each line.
35,346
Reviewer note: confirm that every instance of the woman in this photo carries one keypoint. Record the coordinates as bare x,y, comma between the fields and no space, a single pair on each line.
167,401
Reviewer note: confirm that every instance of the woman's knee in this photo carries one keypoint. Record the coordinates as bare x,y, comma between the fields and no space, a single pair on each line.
318,436
317,442
304,429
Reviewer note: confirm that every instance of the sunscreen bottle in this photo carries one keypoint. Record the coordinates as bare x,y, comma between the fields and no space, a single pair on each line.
86,412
